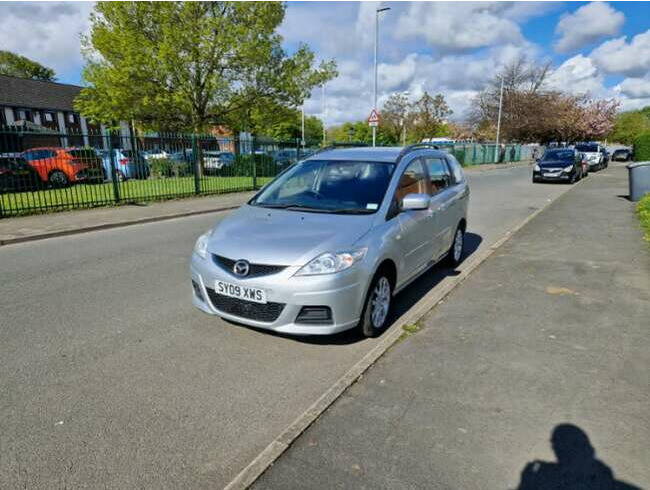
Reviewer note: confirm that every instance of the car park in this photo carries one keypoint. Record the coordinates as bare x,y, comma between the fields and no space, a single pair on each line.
325,246
128,164
622,155
595,153
17,175
60,167
559,165
216,160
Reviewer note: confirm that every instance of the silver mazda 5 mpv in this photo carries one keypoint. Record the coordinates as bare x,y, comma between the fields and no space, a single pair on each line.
325,246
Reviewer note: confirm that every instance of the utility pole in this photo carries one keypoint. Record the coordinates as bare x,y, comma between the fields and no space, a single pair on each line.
374,105
496,149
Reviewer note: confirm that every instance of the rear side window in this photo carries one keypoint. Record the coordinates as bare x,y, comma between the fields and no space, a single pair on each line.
82,153
456,169
438,173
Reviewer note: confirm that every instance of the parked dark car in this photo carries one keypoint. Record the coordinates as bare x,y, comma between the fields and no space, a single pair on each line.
559,165
17,175
622,155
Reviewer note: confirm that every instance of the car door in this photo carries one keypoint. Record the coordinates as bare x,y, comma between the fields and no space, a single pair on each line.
414,241
443,204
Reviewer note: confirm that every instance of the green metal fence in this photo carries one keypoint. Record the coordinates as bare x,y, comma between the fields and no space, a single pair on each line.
46,170
43,171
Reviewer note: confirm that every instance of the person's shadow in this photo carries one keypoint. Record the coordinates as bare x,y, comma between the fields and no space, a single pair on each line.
576,468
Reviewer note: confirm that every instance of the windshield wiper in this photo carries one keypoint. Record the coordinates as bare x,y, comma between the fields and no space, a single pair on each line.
351,211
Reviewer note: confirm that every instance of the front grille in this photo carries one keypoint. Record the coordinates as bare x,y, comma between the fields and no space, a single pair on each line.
255,270
261,312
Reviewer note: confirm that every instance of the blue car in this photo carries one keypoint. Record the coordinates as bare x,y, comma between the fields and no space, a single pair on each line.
126,166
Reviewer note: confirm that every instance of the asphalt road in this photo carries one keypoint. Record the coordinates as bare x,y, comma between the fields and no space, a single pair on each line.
111,379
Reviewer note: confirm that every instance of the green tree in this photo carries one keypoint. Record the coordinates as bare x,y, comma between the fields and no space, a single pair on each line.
629,125
429,115
189,65
18,66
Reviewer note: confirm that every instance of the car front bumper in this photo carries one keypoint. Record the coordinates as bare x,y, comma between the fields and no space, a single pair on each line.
562,176
343,292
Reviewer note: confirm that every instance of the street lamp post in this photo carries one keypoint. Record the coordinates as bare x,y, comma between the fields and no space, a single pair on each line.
374,105
302,126
496,149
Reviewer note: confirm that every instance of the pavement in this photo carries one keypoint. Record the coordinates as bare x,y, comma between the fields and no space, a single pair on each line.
111,379
53,224
546,341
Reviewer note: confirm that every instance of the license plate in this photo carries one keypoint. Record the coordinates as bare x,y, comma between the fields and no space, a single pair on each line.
241,292
552,174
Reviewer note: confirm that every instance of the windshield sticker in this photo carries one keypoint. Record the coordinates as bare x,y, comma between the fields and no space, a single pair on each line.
372,205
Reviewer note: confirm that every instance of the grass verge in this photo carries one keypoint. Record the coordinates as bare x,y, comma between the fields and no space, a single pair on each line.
643,208
90,195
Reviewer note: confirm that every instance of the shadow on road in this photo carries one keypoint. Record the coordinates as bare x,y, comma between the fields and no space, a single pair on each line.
402,302
576,468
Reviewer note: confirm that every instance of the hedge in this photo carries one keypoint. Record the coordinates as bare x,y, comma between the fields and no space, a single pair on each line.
642,148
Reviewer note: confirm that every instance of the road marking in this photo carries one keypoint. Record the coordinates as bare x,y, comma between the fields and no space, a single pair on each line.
274,450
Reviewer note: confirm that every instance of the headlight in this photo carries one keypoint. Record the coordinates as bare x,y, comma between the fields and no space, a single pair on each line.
201,246
568,169
536,168
329,263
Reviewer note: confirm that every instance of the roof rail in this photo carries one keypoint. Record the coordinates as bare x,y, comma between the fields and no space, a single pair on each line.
417,146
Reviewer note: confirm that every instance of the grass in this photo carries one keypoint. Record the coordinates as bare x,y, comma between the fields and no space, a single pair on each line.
643,208
88,195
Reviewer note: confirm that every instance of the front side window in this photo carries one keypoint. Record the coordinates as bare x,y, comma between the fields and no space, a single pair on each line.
438,173
328,186
413,181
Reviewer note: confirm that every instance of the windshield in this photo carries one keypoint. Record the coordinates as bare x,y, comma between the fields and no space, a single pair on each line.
328,186
587,148
557,155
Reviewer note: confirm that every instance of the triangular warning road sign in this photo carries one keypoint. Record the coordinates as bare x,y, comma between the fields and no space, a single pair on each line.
373,118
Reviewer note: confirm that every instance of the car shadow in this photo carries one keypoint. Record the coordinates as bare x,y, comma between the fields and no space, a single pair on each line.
576,466
401,303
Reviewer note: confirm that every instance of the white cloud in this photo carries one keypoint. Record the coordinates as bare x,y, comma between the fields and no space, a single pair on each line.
459,26
635,88
587,25
619,56
47,32
578,75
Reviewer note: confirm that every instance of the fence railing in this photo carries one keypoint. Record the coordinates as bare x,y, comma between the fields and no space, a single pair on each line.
47,170
41,171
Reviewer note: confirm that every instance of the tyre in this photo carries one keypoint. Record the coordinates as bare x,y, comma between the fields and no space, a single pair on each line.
536,180
378,301
455,254
58,178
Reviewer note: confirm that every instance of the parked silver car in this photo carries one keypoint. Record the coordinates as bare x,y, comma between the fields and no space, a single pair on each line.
325,246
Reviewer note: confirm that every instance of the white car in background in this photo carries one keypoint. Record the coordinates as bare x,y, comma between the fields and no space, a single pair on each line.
595,154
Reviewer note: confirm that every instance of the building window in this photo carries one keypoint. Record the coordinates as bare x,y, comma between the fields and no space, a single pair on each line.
48,117
71,118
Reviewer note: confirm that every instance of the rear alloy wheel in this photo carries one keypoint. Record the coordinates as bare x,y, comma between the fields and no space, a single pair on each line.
58,179
377,307
455,254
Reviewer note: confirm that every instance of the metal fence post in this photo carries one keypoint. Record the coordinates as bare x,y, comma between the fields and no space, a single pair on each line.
197,166
114,177
254,164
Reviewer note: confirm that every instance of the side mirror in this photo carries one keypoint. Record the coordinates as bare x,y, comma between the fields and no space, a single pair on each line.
415,201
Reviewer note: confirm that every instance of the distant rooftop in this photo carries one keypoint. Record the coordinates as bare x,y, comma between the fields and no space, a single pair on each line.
37,94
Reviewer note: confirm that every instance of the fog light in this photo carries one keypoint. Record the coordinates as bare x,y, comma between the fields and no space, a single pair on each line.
315,315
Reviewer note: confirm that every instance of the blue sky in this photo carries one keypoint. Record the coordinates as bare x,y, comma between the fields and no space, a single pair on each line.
441,47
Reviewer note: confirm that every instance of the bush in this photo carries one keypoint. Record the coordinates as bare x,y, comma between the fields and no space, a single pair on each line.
642,148
169,168
265,166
